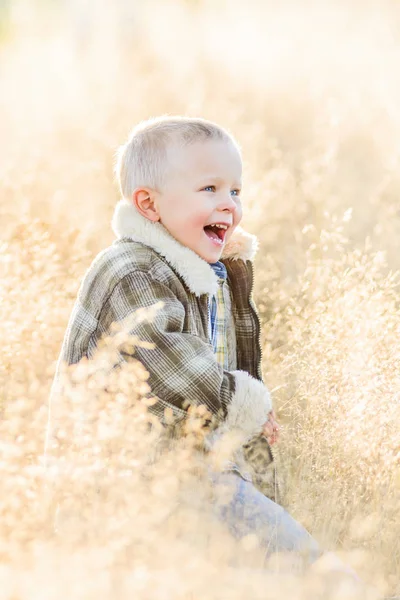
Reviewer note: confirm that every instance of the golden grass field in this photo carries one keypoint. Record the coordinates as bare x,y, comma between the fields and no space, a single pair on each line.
311,90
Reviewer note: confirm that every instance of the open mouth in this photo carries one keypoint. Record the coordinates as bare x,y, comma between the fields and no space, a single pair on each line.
216,232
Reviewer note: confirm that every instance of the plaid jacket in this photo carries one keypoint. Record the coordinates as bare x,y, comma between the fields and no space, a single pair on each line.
146,265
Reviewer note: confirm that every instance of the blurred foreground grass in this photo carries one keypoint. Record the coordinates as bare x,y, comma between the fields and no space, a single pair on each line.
312,92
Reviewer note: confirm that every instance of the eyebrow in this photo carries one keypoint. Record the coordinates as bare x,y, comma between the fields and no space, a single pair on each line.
212,179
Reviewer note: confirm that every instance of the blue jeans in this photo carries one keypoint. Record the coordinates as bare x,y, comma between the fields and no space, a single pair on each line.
247,511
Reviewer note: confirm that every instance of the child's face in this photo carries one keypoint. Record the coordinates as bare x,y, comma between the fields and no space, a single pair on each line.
202,189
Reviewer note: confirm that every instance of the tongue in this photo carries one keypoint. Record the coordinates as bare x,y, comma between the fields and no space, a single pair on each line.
211,233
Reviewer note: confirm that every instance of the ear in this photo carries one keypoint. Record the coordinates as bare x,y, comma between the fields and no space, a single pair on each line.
144,201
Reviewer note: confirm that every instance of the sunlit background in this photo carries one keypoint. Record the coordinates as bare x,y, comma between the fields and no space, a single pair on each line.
311,90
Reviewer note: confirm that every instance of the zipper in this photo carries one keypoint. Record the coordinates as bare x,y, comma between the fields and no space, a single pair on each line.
209,319
257,320
277,489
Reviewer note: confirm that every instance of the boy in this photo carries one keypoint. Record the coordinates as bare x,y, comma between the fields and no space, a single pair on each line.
179,242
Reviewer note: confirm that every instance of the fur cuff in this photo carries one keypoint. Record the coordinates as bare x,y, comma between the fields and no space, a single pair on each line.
250,405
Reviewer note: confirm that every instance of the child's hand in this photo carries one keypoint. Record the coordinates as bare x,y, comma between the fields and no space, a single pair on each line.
271,429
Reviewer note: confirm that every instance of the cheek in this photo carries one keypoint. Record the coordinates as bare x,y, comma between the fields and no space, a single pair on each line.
187,226
238,214
199,218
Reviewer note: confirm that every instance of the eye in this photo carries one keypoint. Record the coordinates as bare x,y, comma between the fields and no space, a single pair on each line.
209,188
235,192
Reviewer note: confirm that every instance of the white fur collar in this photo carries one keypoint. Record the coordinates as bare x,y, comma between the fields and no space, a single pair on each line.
196,272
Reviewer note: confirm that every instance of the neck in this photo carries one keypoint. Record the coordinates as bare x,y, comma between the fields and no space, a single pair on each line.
198,275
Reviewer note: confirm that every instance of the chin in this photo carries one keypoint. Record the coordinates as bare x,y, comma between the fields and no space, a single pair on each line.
211,258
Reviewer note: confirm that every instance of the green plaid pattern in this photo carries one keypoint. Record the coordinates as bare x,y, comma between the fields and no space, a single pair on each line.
129,275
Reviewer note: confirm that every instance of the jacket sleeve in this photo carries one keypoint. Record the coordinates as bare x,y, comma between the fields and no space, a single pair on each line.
182,366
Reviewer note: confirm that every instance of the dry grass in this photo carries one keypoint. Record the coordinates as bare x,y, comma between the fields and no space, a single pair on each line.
312,92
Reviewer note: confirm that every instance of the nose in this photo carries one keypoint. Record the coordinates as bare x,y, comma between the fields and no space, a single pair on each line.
227,203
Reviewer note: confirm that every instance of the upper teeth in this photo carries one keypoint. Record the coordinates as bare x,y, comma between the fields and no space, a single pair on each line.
220,226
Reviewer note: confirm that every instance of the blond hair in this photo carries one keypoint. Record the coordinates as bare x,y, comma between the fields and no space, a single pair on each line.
142,161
